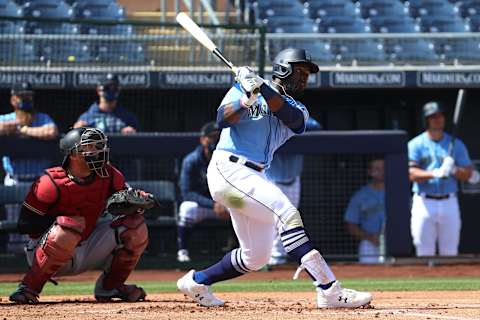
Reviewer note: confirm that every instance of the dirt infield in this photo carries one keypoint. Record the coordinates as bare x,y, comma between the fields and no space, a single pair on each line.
454,305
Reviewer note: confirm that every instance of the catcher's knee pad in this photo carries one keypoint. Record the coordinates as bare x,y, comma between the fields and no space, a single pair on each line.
187,213
133,239
59,243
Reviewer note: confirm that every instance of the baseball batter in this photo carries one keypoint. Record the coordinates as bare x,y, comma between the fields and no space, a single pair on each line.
435,211
257,117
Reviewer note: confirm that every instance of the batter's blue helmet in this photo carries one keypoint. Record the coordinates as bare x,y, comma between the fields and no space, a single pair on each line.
282,64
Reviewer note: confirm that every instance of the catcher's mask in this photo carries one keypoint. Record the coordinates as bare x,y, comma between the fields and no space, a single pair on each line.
91,144
283,69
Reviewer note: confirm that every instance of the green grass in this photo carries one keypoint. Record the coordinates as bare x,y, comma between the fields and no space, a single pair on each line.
385,284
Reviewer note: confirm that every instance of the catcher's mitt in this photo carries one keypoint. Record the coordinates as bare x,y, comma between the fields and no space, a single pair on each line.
130,201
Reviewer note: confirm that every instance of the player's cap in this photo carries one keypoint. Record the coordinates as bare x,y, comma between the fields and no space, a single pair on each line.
431,108
109,80
282,67
21,88
209,128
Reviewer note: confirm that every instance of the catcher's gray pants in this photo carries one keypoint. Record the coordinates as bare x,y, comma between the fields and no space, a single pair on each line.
92,253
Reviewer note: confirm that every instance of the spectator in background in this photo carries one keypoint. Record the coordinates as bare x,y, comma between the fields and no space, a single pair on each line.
365,215
197,203
107,114
285,171
24,121
435,173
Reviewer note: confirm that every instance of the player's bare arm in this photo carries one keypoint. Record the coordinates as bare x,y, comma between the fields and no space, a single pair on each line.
46,132
230,113
463,173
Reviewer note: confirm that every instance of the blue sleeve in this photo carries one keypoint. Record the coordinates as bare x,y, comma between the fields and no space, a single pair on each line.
84,117
353,214
47,120
414,151
132,120
313,125
187,184
461,156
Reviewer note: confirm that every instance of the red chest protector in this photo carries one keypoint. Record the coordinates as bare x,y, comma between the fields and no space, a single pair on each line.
76,199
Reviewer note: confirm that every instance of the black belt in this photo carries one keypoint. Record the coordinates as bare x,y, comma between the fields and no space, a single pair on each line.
437,196
249,164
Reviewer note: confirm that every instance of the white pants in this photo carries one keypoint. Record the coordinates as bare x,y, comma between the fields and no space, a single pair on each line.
368,253
95,252
190,213
435,220
258,208
292,191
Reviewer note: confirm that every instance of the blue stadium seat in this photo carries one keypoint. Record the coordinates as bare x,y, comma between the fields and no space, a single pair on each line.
265,4
283,12
98,11
364,52
474,22
332,8
343,25
383,8
10,9
463,51
120,53
16,51
411,51
393,24
48,9
469,8
443,24
438,9
290,24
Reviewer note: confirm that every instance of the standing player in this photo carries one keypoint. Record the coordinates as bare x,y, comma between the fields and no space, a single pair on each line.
254,126
285,171
435,210
61,215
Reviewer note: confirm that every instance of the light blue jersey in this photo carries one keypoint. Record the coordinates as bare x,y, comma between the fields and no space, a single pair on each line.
26,169
429,154
249,139
367,209
286,167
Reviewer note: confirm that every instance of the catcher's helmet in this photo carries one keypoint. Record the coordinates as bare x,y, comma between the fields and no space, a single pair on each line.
431,108
282,64
91,143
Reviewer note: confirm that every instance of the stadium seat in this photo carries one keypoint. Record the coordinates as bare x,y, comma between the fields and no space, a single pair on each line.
8,8
393,24
343,25
16,51
98,11
283,12
437,9
463,51
290,25
332,8
119,53
383,8
443,24
411,51
265,4
365,52
469,8
474,22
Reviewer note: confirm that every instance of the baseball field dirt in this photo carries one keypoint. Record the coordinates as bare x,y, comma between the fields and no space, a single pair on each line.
454,305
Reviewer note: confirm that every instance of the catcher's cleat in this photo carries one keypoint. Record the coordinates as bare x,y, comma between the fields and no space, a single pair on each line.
126,292
200,293
24,295
338,297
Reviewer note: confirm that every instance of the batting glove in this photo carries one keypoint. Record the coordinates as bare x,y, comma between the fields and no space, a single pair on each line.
252,84
242,72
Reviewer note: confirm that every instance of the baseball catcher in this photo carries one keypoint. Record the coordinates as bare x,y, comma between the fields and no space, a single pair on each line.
62,214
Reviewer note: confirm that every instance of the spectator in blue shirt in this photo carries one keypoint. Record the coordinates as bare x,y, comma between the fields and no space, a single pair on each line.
197,204
365,215
25,122
285,171
107,114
